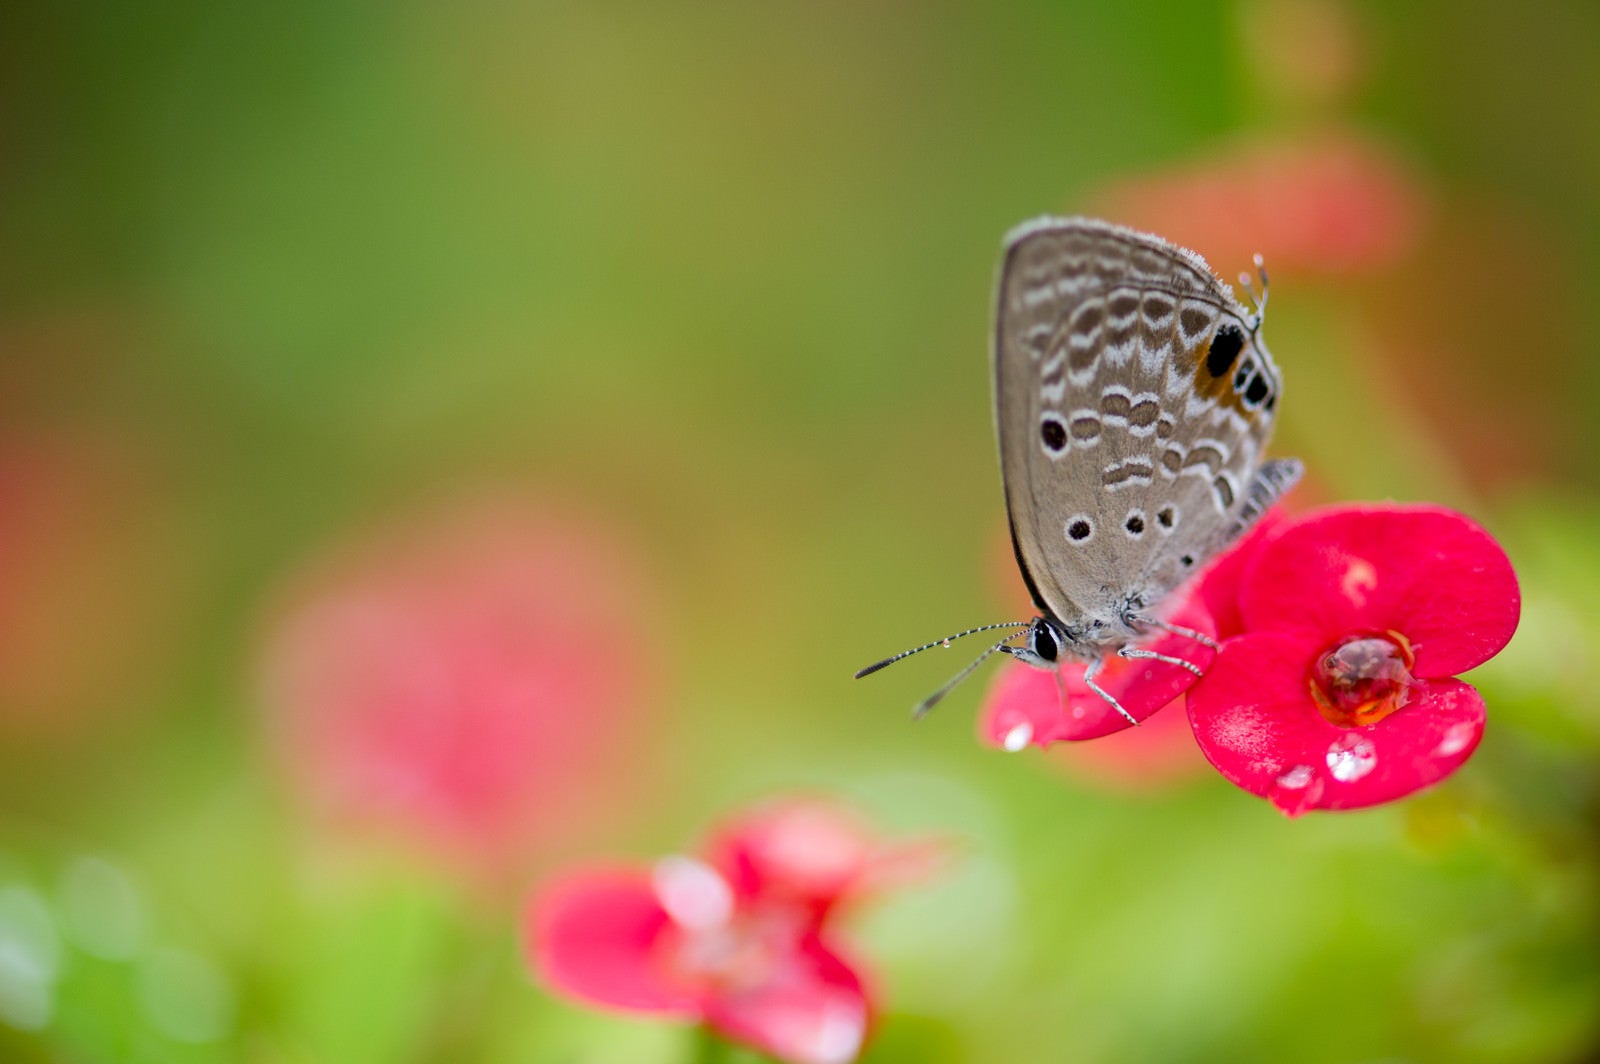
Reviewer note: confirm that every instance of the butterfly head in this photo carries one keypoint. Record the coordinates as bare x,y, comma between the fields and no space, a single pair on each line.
1043,644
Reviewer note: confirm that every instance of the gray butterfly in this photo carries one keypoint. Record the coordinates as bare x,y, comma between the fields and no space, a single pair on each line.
1133,403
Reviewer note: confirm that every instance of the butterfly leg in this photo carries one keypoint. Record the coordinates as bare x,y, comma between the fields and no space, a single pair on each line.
1177,629
1088,678
1151,655
1061,690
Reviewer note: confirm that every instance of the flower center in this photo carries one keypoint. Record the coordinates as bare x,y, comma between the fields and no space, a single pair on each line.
1363,679
744,953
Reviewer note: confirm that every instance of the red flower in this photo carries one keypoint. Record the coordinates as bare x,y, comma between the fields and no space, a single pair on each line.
740,941
1341,691
458,685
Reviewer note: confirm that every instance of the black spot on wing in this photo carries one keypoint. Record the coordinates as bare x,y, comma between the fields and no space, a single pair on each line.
1053,433
1225,347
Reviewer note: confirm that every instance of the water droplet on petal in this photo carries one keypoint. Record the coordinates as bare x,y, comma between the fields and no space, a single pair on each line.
1018,738
1363,678
1457,739
1296,790
1296,778
1351,756
692,892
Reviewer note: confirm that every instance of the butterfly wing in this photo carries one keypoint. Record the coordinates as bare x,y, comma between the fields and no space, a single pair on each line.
1133,403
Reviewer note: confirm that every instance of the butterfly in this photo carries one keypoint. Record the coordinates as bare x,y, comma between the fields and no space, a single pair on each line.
1133,402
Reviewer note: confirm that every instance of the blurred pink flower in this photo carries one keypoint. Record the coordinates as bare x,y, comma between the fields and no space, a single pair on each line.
813,855
740,940
470,684
1336,203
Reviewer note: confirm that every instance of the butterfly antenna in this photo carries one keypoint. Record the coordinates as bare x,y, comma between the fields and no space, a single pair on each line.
870,669
934,699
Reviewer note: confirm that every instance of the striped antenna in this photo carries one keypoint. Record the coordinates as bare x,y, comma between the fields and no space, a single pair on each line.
886,662
934,699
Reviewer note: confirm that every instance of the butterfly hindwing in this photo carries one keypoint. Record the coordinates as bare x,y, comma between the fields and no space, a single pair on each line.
1133,402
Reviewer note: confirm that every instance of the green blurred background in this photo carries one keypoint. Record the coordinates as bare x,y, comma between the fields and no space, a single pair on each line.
717,276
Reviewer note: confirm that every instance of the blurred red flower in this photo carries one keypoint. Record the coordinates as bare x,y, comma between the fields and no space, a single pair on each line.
464,684
740,940
1336,203
1340,693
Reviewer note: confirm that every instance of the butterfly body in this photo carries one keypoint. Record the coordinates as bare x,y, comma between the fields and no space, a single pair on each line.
1133,403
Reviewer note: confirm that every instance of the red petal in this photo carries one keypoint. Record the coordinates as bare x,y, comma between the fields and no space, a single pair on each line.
594,935
814,1009
1158,755
1218,583
1023,709
1426,572
805,851
1255,722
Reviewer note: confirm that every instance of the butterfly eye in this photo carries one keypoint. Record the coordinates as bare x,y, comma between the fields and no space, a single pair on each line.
1044,642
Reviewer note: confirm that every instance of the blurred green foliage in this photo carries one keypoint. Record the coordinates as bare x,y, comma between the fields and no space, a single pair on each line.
721,272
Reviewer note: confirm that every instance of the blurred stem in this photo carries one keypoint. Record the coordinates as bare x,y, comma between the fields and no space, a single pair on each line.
709,1047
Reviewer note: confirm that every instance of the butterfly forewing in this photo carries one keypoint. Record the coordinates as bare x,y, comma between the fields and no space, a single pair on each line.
1133,403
